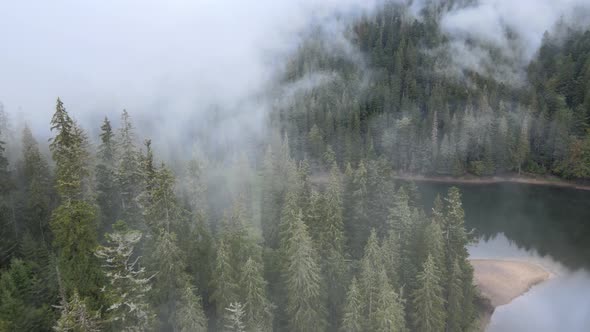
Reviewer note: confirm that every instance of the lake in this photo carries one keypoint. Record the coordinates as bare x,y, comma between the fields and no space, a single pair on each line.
546,225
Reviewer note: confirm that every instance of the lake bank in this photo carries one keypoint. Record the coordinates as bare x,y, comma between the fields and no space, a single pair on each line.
501,281
522,179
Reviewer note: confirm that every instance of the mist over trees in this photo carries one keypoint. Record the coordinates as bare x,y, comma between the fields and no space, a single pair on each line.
308,230
404,105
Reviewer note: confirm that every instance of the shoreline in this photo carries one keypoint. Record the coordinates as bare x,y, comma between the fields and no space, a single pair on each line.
522,179
500,281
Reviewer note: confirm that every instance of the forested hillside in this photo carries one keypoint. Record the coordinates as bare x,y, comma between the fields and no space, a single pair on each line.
307,231
407,103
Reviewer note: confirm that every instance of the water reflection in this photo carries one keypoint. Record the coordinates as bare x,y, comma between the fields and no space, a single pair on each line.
560,304
545,225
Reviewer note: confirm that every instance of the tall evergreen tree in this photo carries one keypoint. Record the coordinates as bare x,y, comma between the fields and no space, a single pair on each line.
303,281
224,285
353,309
257,308
73,221
128,173
427,300
190,317
128,283
107,193
389,312
37,188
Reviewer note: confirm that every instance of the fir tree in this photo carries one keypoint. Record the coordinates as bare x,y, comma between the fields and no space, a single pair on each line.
224,285
371,265
77,317
353,309
37,188
258,310
128,172
389,312
190,316
427,300
107,193
128,283
303,279
234,318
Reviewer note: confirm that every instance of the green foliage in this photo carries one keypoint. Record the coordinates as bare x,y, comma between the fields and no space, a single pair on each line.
76,317
224,285
302,276
427,300
128,283
257,308
353,309
107,192
190,317
74,229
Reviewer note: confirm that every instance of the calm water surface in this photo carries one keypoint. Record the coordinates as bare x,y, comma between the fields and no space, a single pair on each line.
546,225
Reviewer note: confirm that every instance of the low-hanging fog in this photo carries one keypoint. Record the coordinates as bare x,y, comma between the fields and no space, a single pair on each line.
286,138
168,64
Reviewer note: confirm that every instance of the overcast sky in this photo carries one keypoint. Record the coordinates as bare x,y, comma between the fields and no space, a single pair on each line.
177,57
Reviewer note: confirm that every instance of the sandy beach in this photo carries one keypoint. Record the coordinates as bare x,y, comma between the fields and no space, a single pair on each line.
501,281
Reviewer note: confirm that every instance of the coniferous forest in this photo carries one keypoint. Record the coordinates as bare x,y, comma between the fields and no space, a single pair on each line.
310,230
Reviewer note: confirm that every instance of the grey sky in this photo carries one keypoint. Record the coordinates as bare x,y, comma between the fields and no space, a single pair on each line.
176,56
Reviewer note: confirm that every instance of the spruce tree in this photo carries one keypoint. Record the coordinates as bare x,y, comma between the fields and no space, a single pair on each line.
353,309
302,275
107,193
73,221
37,188
224,285
128,283
389,312
190,316
8,233
77,317
331,246
428,313
252,287
234,318
128,172
371,265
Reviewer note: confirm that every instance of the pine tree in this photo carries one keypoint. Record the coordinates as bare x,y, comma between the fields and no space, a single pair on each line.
427,300
21,308
303,281
128,172
455,299
258,310
128,283
69,153
353,309
73,222
77,317
234,318
402,223
389,312
359,210
224,285
107,193
190,316
371,265
37,188
390,249
456,243
331,246
8,233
